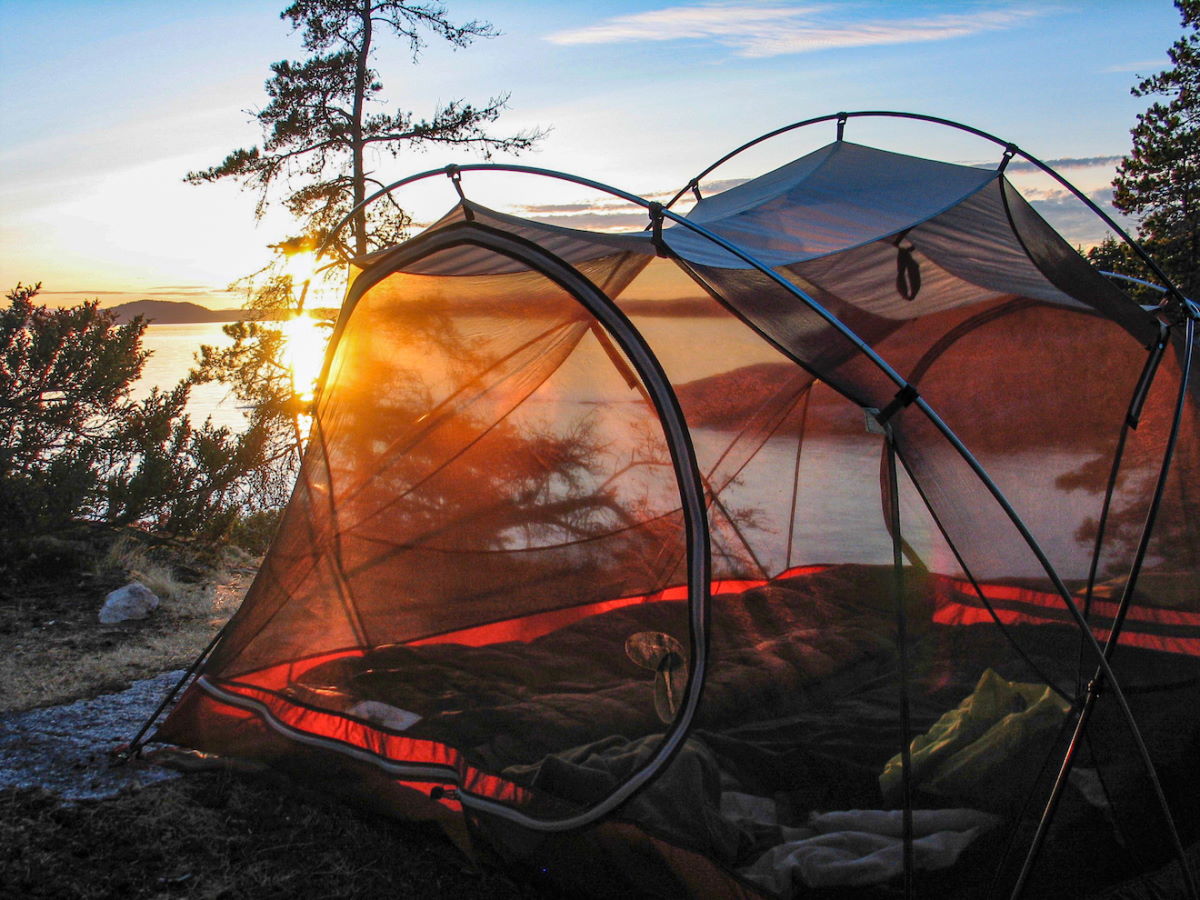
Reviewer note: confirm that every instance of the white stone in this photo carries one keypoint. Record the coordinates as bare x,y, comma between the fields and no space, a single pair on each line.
134,601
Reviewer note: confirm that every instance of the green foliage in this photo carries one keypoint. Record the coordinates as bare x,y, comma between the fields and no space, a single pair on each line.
1159,181
64,375
75,445
1111,255
318,128
253,532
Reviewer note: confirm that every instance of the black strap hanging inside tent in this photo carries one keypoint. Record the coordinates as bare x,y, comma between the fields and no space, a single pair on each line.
908,270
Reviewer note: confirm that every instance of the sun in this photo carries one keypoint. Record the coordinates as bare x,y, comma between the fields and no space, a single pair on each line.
304,353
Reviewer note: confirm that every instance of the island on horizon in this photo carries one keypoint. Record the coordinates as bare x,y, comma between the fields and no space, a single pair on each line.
176,312
183,312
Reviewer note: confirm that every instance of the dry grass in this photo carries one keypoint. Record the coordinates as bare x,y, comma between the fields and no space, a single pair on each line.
53,649
126,555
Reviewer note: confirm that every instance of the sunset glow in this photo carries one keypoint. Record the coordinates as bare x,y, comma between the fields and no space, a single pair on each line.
92,201
304,351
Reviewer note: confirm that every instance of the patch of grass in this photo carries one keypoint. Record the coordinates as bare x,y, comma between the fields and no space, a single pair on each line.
135,560
222,836
54,650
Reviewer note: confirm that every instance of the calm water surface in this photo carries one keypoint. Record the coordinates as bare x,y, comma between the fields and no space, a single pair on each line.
838,514
174,348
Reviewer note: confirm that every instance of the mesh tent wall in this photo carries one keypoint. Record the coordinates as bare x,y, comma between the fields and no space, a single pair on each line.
779,549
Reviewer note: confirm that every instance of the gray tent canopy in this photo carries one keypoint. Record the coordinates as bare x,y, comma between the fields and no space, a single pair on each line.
790,541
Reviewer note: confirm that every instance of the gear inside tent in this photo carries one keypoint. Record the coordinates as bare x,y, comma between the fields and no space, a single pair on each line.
795,546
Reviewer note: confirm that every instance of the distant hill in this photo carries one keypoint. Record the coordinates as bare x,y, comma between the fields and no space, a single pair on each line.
173,312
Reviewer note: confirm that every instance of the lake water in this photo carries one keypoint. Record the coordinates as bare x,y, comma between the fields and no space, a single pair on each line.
839,479
173,351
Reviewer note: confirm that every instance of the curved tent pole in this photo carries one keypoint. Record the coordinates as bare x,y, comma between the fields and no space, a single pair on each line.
905,390
1104,669
1010,150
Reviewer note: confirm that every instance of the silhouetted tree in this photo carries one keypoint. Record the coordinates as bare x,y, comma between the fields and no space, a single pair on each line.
319,128
321,133
1159,181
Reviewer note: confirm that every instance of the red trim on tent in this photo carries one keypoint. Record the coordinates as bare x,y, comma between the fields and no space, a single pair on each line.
262,689
527,628
385,746
1024,606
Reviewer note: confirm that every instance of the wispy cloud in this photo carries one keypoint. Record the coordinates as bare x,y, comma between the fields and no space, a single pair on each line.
1061,164
176,290
1074,221
614,213
1145,66
773,29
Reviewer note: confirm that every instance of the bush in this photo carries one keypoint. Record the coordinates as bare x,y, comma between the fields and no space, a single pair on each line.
74,445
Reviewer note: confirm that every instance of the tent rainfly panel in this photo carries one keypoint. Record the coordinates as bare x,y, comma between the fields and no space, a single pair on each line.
840,537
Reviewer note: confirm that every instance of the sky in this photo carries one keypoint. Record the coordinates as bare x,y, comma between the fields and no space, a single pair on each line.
107,105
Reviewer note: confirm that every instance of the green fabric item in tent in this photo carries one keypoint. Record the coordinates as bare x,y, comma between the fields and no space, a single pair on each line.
977,743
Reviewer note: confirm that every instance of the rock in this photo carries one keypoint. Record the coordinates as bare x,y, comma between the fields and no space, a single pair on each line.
134,601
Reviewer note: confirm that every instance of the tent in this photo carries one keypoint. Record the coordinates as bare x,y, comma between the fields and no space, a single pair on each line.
841,537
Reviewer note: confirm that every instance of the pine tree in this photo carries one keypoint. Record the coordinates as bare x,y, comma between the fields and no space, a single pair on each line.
321,136
1159,181
320,132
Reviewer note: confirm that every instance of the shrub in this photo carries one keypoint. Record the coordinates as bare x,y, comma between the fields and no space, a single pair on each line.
75,447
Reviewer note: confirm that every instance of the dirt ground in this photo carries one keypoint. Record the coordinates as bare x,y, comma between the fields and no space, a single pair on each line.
215,834
54,650
222,836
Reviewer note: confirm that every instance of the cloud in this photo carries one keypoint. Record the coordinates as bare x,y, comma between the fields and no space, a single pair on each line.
608,212
1145,65
772,29
596,221
180,290
1061,164
88,293
1079,225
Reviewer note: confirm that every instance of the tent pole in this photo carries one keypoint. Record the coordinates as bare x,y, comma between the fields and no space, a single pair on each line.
134,747
902,650
1010,150
867,351
992,488
683,459
1132,417
796,474
1111,645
